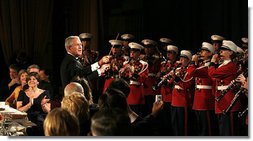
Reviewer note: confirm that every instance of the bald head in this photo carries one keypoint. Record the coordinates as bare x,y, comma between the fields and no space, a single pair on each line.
73,87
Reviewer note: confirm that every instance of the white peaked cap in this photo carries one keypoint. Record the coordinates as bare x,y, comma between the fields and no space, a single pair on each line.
217,38
148,42
239,50
115,42
127,36
134,45
229,45
208,46
165,40
245,40
85,36
172,48
186,53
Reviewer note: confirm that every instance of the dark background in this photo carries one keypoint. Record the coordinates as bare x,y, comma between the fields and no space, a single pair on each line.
187,22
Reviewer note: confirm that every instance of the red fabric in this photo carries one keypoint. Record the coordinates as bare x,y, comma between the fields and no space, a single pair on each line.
166,90
136,95
203,98
224,74
184,97
107,83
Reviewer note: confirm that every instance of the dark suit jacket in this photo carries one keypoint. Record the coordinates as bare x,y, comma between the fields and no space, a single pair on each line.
71,67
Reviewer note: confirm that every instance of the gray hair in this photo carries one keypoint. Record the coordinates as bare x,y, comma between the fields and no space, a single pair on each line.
68,41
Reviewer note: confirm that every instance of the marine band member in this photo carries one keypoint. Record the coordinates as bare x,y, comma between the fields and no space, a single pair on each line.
135,71
116,62
182,97
223,75
203,103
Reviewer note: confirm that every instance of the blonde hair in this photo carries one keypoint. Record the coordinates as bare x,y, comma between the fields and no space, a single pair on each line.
59,122
76,104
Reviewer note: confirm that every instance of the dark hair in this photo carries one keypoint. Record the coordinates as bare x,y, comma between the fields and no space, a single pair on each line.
121,85
46,71
15,67
35,74
115,99
111,122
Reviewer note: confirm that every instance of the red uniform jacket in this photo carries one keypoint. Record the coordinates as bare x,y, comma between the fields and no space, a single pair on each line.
166,90
183,96
203,97
113,72
153,69
137,78
223,75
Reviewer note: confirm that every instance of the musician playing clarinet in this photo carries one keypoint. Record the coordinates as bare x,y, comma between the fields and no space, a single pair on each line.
222,75
182,97
166,88
135,71
154,63
203,103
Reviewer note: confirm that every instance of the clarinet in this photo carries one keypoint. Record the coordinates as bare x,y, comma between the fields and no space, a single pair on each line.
240,114
231,85
233,101
224,92
159,84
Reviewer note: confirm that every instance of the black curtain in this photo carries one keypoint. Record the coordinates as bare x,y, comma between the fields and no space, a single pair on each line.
39,27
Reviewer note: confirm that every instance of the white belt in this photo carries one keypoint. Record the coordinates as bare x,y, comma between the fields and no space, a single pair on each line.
221,88
134,82
203,87
178,87
151,74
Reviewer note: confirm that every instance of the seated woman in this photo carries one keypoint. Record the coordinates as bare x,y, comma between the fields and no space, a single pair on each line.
60,122
12,99
31,101
78,105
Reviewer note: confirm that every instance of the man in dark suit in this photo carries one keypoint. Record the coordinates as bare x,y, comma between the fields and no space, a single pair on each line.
72,67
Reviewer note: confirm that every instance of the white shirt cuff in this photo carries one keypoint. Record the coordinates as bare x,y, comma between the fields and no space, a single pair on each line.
99,72
95,66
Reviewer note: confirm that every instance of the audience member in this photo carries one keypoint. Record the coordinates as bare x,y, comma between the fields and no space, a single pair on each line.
78,105
31,101
8,86
12,99
110,122
60,122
